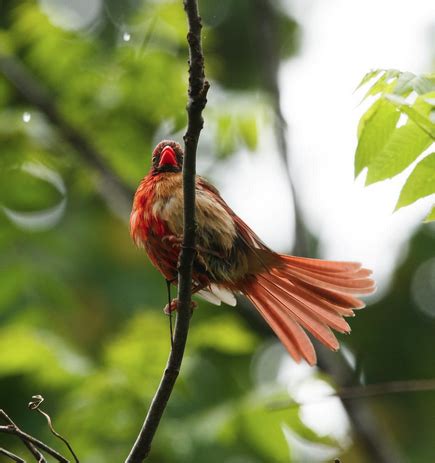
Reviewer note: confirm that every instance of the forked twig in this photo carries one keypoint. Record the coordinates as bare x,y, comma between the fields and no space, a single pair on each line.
35,404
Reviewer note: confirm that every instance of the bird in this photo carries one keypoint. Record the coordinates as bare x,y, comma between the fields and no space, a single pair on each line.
293,294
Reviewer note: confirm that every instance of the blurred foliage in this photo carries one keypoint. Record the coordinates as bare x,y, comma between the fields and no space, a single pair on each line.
80,307
386,146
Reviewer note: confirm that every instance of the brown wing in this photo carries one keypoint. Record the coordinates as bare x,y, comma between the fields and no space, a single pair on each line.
257,253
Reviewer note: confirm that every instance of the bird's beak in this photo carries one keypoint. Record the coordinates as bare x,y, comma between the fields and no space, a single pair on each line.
168,157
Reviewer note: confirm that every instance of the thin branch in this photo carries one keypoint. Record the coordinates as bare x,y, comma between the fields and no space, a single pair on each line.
11,455
365,391
269,46
35,404
113,189
198,88
376,442
32,449
12,429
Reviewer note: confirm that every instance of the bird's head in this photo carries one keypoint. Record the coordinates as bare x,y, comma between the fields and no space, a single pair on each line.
167,157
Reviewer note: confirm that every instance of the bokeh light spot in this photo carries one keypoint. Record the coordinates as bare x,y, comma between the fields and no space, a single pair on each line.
71,15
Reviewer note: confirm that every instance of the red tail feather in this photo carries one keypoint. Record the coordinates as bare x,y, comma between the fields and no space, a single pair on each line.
309,293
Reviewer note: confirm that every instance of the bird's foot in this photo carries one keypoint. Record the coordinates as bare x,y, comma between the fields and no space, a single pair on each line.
173,306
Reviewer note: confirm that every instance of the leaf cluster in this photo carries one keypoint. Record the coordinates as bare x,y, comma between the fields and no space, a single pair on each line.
396,130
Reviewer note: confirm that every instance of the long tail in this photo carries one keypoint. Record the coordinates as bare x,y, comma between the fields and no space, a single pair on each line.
311,294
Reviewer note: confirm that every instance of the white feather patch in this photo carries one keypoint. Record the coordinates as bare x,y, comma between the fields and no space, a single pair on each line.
209,297
217,294
223,294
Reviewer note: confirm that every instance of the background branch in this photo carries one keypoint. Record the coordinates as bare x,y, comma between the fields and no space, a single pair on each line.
32,449
197,91
11,455
13,429
364,391
113,189
376,443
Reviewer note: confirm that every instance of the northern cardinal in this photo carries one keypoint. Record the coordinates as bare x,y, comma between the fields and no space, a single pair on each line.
293,294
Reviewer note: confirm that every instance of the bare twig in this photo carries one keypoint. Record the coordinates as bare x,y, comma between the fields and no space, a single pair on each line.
13,429
114,190
35,404
11,455
198,88
32,449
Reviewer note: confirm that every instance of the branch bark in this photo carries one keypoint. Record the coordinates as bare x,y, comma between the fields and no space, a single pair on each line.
13,429
32,449
11,455
197,92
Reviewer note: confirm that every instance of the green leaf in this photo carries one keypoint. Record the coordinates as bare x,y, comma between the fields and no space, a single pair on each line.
420,183
417,112
405,144
374,131
431,216
423,84
403,84
368,77
403,147
386,83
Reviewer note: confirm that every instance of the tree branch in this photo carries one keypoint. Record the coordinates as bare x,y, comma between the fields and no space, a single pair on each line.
197,91
11,455
364,391
114,190
13,429
33,450
376,443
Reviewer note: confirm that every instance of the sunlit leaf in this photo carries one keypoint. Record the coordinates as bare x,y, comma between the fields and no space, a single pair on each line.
387,148
375,129
403,146
418,112
420,183
368,77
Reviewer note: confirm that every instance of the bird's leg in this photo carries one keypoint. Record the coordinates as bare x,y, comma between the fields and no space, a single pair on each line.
168,287
173,306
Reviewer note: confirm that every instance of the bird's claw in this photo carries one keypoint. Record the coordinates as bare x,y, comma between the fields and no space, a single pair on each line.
173,306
